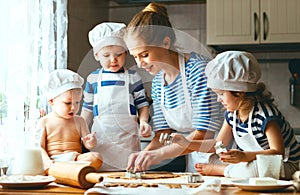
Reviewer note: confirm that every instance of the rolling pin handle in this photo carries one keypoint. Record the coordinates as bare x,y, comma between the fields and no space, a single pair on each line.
94,178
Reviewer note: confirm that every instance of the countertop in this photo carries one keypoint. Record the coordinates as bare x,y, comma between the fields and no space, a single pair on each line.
226,188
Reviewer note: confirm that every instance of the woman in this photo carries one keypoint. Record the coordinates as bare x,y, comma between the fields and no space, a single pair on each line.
181,100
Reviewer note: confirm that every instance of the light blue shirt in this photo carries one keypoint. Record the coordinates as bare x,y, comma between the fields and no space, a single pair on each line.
206,109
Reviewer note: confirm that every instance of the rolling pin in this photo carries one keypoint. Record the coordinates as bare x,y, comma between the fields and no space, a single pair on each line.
75,174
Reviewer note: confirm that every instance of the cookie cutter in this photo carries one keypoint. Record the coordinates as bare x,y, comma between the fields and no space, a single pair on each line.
134,175
165,139
220,147
194,178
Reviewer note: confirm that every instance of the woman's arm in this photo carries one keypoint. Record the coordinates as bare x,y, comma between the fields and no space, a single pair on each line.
197,142
155,144
204,142
173,150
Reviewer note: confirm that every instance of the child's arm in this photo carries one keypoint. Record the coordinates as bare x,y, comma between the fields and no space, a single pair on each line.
145,128
88,116
276,144
89,140
42,135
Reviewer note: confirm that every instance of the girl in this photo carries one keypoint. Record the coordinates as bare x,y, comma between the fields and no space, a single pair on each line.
251,120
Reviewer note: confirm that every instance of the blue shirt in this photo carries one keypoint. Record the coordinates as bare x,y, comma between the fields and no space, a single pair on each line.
136,89
206,109
262,115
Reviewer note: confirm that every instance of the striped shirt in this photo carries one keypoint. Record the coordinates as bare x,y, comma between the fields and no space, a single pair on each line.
206,109
262,114
136,89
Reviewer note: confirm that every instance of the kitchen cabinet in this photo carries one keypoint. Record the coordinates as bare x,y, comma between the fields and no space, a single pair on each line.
253,21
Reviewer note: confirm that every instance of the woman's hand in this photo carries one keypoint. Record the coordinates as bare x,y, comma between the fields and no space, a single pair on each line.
131,160
142,160
180,140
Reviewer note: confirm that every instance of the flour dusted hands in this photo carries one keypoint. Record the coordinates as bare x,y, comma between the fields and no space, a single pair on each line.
145,129
89,140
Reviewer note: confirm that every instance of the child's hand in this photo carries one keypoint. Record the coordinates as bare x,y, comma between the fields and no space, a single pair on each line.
233,156
180,140
90,140
47,164
145,129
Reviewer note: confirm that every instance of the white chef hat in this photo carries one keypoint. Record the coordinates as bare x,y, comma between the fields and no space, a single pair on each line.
62,80
233,71
105,34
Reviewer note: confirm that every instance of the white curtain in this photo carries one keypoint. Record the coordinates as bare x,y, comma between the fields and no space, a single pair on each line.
33,38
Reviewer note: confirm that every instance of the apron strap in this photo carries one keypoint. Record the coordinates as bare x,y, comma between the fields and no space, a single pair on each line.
249,123
184,84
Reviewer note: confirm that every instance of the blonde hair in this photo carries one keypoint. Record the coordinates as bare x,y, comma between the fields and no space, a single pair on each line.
152,25
248,99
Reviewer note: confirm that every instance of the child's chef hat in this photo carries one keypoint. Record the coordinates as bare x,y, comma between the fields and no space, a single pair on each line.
233,71
106,33
62,80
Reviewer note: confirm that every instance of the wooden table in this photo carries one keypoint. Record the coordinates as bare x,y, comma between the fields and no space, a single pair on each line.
54,188
65,190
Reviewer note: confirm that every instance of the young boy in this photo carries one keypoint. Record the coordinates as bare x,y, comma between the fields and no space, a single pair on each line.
64,132
115,98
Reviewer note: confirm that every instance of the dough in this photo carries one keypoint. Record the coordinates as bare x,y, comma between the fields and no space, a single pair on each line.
151,175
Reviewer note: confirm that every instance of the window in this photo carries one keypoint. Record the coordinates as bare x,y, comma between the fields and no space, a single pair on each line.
33,39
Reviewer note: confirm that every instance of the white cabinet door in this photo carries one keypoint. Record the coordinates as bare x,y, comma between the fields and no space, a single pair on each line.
232,22
280,21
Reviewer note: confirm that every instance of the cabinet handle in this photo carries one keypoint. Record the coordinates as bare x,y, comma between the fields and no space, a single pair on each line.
256,26
265,25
